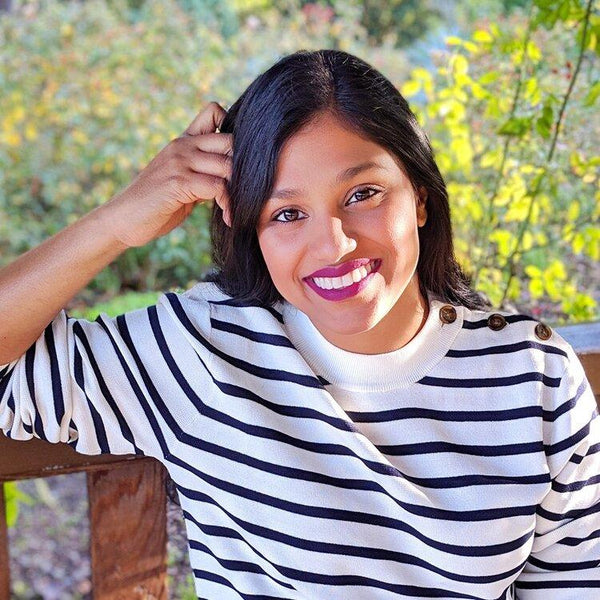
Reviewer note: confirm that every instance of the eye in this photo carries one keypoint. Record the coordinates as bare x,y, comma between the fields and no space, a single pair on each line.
362,195
287,215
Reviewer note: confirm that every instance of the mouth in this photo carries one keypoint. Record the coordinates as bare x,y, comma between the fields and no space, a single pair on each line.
345,286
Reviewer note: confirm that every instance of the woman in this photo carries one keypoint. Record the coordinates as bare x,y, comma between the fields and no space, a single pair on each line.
342,416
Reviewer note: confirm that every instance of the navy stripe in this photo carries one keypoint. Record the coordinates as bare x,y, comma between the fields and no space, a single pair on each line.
474,450
123,425
38,426
256,336
491,381
570,441
208,576
376,553
578,459
343,550
223,532
244,304
575,485
262,372
57,394
565,584
237,565
360,517
576,513
575,541
152,391
5,380
565,407
446,416
96,418
506,349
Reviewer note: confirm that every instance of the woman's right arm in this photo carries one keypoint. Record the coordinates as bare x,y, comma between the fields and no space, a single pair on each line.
35,287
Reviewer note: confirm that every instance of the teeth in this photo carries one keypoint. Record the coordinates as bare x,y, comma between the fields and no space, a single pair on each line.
328,283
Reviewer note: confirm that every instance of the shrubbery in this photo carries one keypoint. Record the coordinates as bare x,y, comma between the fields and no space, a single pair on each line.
90,91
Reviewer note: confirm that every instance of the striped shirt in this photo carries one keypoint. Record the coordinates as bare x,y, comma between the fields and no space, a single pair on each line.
463,465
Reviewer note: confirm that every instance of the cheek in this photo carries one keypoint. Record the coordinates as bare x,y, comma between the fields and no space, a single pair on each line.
276,258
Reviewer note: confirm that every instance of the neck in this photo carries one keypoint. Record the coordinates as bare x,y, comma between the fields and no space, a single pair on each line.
396,329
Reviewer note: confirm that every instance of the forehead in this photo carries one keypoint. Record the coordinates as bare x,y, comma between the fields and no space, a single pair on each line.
325,146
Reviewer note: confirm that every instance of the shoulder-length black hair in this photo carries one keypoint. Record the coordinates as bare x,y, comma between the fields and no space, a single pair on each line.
277,104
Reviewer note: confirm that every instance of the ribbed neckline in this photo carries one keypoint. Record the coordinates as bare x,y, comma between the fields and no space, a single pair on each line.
374,372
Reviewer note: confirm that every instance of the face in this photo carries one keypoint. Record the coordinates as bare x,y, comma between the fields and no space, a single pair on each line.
339,236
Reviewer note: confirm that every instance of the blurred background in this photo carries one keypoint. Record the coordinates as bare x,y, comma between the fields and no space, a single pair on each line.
90,91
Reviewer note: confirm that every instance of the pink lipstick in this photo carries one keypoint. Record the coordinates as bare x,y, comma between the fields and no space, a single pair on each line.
348,291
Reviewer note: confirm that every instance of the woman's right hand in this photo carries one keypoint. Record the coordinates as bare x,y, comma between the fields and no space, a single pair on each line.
191,169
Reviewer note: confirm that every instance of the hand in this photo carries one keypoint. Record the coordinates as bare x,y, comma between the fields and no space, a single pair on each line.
191,169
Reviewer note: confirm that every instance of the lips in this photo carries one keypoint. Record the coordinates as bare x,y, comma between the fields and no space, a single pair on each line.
341,270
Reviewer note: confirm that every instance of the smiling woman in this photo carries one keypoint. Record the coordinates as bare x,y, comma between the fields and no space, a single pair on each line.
348,223
342,415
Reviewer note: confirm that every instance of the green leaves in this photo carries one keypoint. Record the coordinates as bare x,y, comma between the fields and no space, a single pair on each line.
516,126
13,496
526,210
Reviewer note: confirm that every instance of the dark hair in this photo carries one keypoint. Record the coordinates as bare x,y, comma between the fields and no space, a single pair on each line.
277,104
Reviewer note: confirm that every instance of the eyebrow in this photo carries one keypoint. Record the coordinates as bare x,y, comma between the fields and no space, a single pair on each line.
342,176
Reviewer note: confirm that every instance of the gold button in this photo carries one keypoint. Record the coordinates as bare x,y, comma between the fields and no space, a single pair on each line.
496,322
447,314
542,331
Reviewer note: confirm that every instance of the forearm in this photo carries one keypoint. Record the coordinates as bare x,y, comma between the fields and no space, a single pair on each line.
35,287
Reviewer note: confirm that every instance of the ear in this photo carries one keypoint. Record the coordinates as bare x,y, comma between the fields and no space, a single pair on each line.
422,206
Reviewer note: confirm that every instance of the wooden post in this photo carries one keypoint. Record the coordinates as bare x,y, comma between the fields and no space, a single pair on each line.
128,531
4,563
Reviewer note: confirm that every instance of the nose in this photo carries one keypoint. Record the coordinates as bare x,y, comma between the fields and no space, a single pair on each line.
332,240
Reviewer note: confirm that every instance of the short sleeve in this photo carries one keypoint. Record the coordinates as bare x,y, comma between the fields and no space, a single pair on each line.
564,563
101,386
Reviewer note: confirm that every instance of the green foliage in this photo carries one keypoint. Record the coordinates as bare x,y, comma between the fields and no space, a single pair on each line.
512,113
13,496
91,91
117,305
186,590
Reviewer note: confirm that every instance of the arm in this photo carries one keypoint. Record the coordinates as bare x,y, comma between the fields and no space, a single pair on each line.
68,380
565,559
38,284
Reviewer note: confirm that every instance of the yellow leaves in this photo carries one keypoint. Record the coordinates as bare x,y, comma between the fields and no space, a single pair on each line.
463,152
533,52
579,306
11,138
31,132
504,239
79,136
66,30
410,88
550,280
482,36
491,159
459,64
574,211
466,44
533,93
421,79
519,209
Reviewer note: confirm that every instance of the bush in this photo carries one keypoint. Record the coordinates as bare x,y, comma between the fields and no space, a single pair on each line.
513,116
91,91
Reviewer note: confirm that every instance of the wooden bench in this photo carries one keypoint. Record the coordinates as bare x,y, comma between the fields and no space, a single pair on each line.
127,500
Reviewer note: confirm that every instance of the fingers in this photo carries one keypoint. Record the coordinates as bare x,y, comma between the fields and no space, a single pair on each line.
214,142
224,203
211,163
208,120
